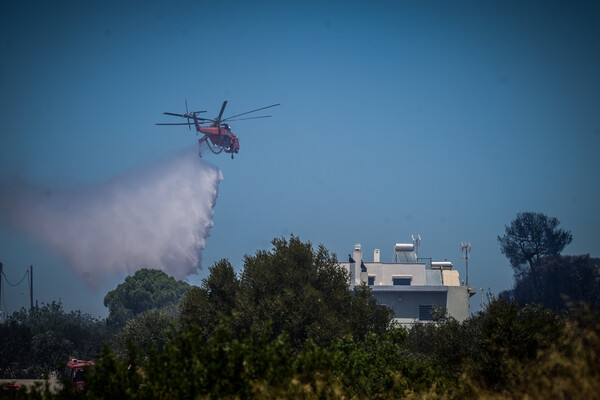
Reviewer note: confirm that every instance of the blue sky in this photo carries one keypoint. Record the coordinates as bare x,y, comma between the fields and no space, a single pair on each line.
438,118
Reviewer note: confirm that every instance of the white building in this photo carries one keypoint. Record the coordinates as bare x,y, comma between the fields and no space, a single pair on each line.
409,287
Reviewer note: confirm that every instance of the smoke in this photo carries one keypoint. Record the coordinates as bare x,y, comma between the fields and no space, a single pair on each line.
157,217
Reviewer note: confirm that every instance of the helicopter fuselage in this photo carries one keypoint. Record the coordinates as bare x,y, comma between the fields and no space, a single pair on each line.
220,136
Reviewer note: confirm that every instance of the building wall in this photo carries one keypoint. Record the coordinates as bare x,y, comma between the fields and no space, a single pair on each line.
458,302
384,272
406,303
427,287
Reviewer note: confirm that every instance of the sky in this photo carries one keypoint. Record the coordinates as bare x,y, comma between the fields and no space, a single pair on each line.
397,118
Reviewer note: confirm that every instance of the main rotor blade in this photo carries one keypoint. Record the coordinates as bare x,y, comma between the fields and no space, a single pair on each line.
188,113
248,112
175,123
241,119
186,116
222,109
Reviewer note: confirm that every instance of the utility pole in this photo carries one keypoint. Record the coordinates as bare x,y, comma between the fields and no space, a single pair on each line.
31,285
0,292
466,247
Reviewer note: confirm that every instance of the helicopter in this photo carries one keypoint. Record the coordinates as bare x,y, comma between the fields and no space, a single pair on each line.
218,132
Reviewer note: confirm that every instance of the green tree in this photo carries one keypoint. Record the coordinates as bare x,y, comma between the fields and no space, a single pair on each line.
152,326
259,366
215,299
449,342
303,291
560,283
379,366
366,316
294,288
34,342
506,335
491,347
16,357
145,290
529,238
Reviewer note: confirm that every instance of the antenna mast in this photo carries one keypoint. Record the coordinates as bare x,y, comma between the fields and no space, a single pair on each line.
416,241
481,298
466,248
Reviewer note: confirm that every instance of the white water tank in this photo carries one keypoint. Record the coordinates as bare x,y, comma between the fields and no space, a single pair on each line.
404,247
443,265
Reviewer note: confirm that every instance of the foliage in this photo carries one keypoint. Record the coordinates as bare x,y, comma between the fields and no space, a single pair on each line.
565,369
488,345
379,366
296,289
365,315
35,341
109,379
257,366
560,283
505,335
223,367
239,339
449,342
16,356
505,351
152,327
145,290
214,300
293,289
530,237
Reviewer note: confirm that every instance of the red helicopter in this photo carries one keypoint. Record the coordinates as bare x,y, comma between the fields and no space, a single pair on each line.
218,132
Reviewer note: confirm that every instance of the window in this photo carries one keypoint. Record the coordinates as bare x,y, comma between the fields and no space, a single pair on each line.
78,375
371,280
401,281
425,313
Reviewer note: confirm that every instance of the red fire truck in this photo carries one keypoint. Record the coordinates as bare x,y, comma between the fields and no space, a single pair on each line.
75,371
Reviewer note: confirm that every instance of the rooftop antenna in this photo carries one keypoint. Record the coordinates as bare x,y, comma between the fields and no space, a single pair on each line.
416,241
466,248
481,298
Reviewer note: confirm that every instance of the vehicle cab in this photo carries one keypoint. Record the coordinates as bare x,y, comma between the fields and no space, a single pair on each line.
75,371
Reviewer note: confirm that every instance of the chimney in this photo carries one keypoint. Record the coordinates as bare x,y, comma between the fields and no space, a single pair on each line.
376,256
357,256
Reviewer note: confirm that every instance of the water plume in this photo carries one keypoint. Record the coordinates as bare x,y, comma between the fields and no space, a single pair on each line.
157,217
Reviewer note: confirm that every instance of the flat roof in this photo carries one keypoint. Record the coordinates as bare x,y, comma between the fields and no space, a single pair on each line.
408,288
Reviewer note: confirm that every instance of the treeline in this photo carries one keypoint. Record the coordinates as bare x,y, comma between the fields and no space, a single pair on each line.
506,351
34,342
559,283
533,243
289,326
